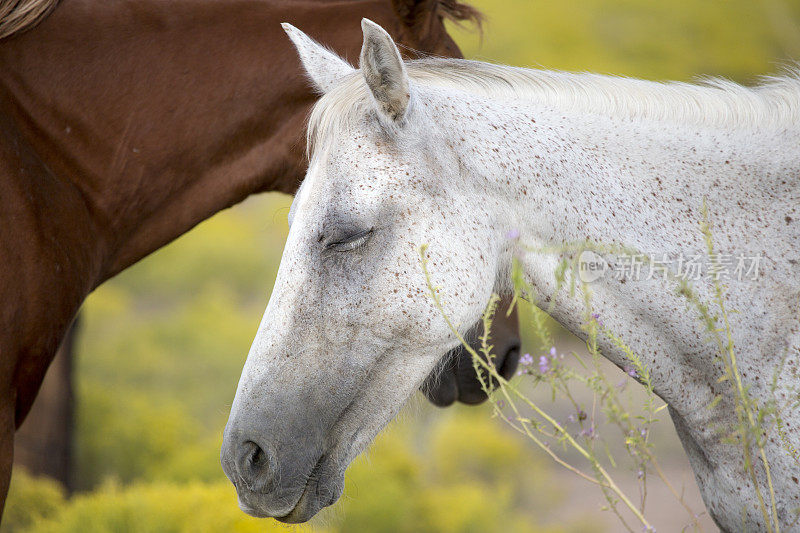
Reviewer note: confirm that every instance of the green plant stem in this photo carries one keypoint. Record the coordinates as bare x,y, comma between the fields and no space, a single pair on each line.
504,385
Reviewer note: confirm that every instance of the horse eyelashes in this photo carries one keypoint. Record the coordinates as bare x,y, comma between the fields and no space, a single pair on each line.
350,243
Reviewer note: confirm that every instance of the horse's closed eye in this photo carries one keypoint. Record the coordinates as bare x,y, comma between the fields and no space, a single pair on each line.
350,243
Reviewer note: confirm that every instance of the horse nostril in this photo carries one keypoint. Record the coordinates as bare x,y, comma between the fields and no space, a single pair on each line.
257,458
255,467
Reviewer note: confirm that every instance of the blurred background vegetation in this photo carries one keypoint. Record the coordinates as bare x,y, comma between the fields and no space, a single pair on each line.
163,343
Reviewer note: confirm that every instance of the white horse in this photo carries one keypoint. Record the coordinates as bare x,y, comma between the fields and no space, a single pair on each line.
458,154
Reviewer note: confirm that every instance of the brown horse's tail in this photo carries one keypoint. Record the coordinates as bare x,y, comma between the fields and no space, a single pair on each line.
20,15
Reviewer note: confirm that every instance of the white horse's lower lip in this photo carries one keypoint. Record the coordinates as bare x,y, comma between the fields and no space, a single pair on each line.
252,511
253,503
307,505
298,514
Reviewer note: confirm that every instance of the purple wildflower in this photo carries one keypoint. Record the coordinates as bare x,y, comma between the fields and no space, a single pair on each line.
544,364
512,234
526,360
589,432
630,371
596,318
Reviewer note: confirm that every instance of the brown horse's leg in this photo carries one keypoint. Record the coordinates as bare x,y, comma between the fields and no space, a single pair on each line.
7,427
43,443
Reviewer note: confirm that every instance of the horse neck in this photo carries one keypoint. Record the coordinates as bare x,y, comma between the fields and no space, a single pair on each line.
563,178
159,114
567,178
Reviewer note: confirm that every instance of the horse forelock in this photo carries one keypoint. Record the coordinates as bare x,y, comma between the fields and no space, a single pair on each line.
21,15
424,19
460,12
415,12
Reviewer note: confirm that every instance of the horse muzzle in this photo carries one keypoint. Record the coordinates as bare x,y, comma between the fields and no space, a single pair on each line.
292,492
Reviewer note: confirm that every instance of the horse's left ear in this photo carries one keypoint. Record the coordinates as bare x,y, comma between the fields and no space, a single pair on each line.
384,71
324,67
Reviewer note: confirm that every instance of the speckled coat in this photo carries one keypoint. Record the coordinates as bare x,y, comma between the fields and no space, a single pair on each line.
459,155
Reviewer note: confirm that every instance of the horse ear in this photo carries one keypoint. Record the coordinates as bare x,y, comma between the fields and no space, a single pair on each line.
384,71
324,67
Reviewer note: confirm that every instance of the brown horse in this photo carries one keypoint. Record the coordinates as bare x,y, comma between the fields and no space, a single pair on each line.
124,124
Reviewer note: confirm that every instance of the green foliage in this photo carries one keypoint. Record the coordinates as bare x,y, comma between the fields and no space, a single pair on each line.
163,347
125,436
468,475
160,507
672,39
443,485
30,500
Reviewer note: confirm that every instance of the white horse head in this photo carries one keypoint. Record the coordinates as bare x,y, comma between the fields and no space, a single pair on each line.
349,333
459,155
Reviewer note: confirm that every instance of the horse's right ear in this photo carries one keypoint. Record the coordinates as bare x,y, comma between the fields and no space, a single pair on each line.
324,67
384,71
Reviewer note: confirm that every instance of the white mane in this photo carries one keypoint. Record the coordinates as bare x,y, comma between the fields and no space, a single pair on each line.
714,102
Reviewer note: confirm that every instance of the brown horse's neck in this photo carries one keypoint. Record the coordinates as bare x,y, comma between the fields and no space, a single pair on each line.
161,113
123,124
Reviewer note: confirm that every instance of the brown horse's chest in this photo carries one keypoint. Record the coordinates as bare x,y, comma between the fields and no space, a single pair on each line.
45,263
